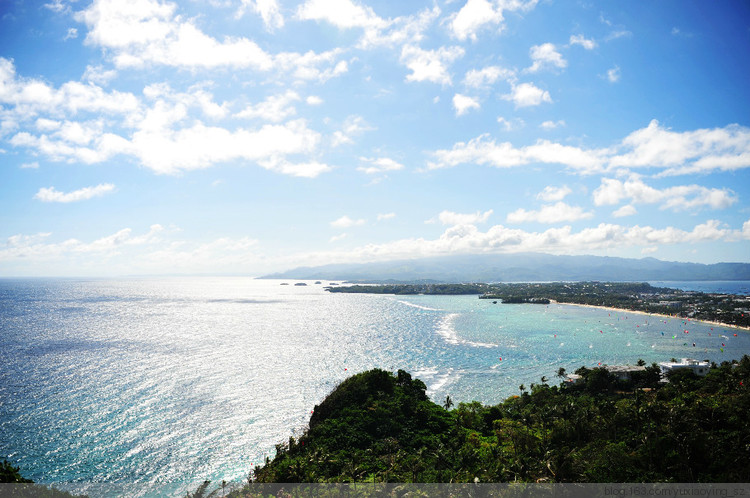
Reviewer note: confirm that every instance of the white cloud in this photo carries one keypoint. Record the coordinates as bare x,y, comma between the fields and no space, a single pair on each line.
305,169
467,239
346,222
483,150
29,97
552,194
477,15
696,151
546,56
36,248
56,6
451,218
353,126
31,165
160,131
346,14
620,33
313,100
379,165
703,150
341,13
98,75
488,76
275,108
677,198
144,32
526,95
71,34
626,210
386,216
336,238
551,125
509,125
463,104
582,41
51,195
613,75
429,65
554,213
268,11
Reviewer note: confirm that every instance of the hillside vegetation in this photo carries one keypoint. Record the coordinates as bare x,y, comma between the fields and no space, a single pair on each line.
381,427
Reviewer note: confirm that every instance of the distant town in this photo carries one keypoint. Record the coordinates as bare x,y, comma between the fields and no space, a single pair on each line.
728,309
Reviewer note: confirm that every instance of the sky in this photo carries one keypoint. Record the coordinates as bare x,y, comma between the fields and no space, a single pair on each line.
142,137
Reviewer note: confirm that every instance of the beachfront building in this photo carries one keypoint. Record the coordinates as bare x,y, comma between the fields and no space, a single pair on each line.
624,372
700,368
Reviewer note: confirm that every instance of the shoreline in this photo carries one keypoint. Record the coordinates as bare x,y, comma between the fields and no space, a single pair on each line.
647,313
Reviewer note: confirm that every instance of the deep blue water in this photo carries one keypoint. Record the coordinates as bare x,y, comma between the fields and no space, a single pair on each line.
167,382
741,287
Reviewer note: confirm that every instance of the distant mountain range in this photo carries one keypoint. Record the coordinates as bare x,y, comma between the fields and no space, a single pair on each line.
527,267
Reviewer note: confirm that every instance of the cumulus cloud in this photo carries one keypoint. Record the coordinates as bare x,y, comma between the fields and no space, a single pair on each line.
551,125
353,126
527,94
268,11
160,130
39,248
29,97
582,41
275,108
451,218
379,165
613,75
554,213
149,32
552,194
483,150
477,78
678,198
346,222
340,13
468,239
546,56
655,147
386,216
336,238
430,65
51,195
477,15
376,31
626,210
463,103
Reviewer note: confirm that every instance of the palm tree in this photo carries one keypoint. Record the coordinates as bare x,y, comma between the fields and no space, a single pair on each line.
447,403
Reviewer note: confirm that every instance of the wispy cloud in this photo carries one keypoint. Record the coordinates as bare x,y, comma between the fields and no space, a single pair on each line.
347,222
49,194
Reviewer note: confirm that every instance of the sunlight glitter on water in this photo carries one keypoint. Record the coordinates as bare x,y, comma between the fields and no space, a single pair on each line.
174,381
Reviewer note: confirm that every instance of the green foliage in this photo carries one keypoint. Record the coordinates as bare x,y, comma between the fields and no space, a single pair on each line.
377,426
9,474
24,487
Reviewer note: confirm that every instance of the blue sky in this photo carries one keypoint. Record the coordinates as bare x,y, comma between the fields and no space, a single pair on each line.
249,136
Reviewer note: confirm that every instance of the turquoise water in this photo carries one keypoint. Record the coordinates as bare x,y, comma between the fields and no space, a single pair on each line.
168,382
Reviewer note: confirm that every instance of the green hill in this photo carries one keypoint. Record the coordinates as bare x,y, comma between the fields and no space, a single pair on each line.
380,427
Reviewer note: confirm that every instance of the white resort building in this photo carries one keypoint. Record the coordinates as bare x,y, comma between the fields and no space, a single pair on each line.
698,367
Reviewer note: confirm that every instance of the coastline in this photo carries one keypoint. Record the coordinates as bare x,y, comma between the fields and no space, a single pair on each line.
647,313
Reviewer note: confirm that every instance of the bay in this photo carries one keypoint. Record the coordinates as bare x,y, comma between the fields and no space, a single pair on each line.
165,382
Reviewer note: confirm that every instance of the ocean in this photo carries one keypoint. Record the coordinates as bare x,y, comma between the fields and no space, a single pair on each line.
166,382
